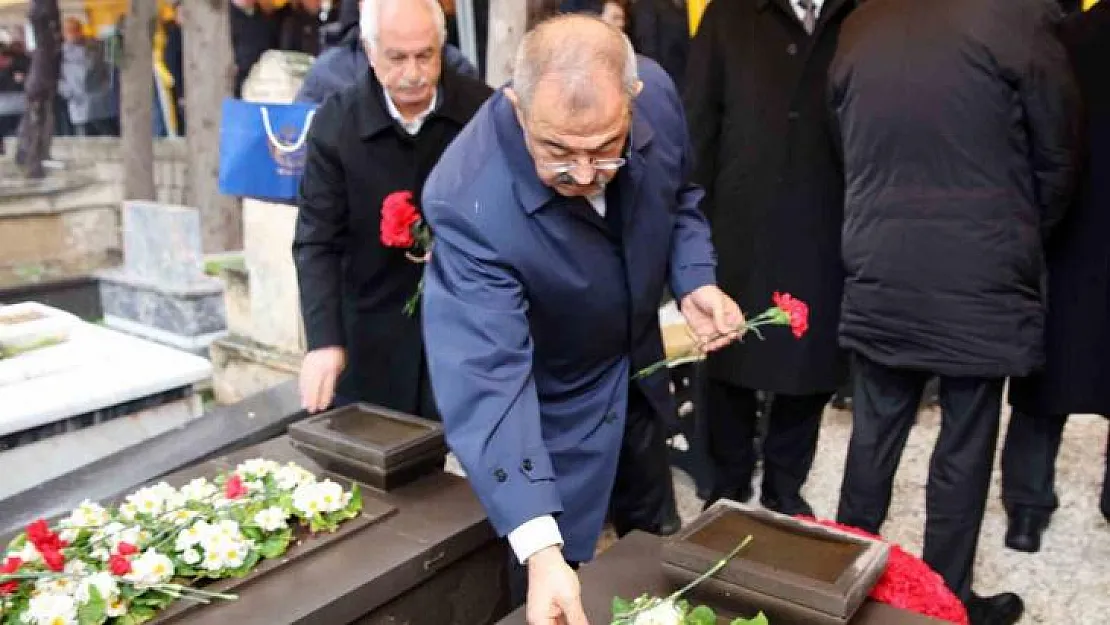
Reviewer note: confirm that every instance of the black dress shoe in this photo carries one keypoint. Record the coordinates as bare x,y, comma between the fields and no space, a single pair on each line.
1023,533
1003,609
790,506
739,496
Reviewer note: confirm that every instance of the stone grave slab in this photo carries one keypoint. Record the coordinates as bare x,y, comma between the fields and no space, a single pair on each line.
161,293
430,559
266,340
62,403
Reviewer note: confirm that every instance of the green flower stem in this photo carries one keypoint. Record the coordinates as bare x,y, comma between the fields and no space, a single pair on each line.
712,571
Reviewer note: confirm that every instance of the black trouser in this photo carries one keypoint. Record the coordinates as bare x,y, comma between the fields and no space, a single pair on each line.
1029,465
885,404
794,423
643,492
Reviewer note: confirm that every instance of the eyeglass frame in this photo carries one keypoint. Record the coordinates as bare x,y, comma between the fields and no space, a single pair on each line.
597,164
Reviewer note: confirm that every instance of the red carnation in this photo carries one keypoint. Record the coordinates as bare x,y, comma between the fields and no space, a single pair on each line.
119,565
909,584
54,559
399,216
39,532
234,488
126,549
10,566
796,309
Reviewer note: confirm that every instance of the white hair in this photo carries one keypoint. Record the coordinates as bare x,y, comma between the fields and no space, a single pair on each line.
370,13
535,58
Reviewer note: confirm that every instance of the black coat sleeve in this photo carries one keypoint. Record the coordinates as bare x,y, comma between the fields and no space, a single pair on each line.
1051,102
322,231
703,100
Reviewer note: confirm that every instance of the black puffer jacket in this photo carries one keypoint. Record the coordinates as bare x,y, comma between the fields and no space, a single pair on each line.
958,123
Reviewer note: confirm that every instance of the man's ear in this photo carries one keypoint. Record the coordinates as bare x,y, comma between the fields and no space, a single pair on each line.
639,87
514,99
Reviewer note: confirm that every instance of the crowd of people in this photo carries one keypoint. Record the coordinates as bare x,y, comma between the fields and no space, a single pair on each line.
925,175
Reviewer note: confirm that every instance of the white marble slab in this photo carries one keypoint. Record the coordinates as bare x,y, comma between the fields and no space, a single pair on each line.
95,369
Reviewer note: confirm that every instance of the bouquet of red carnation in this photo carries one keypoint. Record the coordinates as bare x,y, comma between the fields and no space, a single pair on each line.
787,311
403,227
909,584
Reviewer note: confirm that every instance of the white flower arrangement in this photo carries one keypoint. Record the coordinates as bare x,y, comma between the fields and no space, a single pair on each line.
122,566
674,610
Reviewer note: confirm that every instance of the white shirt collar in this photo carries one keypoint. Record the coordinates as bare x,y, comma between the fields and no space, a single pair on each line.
412,127
801,12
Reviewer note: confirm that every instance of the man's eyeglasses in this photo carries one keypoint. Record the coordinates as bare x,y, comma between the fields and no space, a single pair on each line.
597,164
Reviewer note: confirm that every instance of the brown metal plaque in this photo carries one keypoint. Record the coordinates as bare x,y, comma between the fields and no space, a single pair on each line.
791,566
383,447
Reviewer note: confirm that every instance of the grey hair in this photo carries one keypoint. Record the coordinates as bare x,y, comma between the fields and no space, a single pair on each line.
370,13
572,56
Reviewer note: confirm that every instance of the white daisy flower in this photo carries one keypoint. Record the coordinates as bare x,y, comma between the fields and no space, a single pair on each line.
104,583
52,609
199,489
149,569
271,519
665,613
191,556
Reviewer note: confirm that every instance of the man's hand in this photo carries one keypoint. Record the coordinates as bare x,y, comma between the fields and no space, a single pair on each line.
713,316
319,373
554,596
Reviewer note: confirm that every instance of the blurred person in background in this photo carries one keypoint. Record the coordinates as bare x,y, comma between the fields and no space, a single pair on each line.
1076,377
255,28
774,186
72,85
958,125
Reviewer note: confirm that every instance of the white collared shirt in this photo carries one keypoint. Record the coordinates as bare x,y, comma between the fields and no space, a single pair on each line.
801,12
414,126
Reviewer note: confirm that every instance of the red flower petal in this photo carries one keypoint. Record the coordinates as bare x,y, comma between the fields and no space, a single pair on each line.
54,559
399,217
909,584
11,565
234,488
8,588
119,565
127,549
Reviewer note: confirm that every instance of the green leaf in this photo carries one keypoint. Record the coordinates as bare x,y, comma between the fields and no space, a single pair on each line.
137,616
701,615
621,606
275,545
759,619
92,613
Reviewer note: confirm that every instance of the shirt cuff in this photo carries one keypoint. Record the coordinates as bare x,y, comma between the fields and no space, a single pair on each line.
532,536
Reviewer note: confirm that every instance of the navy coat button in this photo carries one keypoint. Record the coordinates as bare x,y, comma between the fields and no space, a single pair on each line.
526,465
792,49
500,475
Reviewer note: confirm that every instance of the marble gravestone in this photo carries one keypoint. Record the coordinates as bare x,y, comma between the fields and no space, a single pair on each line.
161,292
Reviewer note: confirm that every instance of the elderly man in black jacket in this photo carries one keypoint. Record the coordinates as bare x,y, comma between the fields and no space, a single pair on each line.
958,121
379,136
775,199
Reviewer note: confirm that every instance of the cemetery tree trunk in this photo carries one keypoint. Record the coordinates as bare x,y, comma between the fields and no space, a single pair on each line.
137,101
37,127
508,21
209,77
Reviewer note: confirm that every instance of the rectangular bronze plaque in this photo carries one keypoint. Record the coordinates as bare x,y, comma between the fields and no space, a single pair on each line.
795,570
382,447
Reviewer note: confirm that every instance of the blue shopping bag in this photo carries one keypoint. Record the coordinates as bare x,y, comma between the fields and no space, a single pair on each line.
263,148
